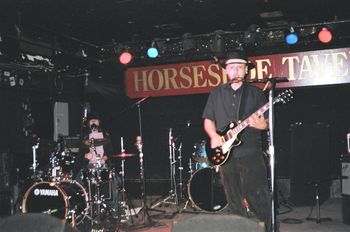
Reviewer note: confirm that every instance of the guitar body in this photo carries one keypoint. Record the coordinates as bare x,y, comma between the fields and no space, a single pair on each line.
219,155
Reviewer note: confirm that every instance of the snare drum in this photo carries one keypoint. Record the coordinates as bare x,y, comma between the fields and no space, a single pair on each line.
66,200
206,191
97,175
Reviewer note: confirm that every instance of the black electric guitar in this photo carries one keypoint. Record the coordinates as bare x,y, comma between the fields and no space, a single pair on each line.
219,155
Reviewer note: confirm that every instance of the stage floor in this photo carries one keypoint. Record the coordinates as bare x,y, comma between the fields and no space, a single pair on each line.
166,217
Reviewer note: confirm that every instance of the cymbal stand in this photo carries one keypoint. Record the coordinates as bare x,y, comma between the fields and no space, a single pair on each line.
172,196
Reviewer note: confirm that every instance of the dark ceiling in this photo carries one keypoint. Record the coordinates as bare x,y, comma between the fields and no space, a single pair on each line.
101,28
101,21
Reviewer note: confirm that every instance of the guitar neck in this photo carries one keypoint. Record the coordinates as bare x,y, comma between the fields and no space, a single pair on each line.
241,126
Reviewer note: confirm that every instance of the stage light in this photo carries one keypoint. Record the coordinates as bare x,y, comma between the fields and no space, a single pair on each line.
291,38
325,35
253,35
218,43
125,57
188,43
152,52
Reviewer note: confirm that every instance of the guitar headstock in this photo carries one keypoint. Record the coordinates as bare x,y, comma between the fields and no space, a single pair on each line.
284,96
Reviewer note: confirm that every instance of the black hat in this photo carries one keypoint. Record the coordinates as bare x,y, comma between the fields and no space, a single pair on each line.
93,115
237,57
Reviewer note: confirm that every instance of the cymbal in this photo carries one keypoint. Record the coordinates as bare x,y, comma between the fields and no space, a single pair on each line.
123,155
97,142
201,159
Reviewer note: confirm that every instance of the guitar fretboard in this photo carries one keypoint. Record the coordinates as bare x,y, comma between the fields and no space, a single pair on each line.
241,126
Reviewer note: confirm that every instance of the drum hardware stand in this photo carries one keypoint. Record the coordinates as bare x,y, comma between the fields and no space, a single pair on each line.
125,202
97,198
34,165
172,196
188,199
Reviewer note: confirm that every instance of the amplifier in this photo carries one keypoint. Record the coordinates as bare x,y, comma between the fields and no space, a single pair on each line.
346,209
345,168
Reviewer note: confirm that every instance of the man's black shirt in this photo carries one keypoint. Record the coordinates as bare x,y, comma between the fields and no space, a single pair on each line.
225,105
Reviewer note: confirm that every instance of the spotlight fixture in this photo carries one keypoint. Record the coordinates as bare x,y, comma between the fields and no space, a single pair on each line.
125,57
152,52
325,35
218,43
253,35
291,38
188,43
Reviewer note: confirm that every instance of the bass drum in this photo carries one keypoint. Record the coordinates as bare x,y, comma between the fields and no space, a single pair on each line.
66,200
206,191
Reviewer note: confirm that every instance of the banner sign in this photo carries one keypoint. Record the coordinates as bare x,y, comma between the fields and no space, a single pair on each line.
321,67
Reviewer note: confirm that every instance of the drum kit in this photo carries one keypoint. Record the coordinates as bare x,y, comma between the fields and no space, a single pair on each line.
205,191
90,195
75,198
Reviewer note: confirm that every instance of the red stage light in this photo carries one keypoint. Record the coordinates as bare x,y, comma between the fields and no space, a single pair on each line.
325,35
125,58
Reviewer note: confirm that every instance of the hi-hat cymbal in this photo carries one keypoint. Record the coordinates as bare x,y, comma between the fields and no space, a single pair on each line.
97,142
123,155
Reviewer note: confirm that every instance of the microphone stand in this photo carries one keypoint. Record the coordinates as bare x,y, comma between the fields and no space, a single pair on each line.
272,82
272,152
142,171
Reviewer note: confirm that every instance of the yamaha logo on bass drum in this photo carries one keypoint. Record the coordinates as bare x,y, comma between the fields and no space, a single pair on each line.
46,192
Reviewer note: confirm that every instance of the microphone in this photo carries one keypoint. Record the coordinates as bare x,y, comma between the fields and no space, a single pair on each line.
264,80
93,127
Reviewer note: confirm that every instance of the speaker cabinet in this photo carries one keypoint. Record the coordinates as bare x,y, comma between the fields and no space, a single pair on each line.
346,209
217,223
310,163
345,168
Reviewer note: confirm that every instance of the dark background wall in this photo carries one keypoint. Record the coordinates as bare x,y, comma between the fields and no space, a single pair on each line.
327,104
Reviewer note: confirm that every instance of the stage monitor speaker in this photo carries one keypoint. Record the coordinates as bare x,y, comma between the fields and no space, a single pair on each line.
345,168
34,222
310,163
60,120
217,223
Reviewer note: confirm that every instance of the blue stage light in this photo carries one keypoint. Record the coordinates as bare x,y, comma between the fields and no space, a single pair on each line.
291,38
152,52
